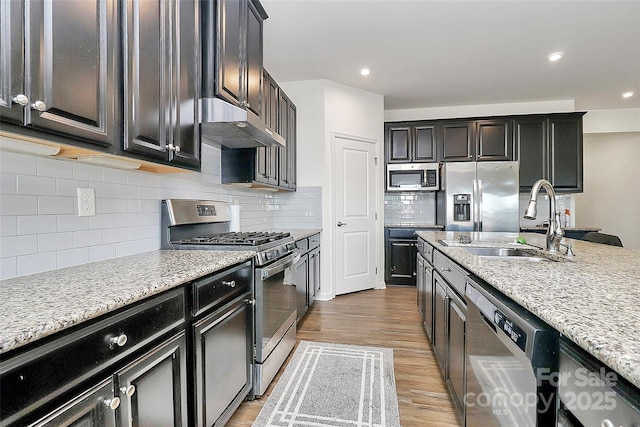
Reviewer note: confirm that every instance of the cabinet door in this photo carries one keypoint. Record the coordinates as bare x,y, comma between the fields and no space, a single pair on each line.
398,144
424,143
186,88
565,137
153,389
229,67
147,84
286,114
530,136
420,284
253,73
92,408
291,145
456,352
316,272
223,343
300,278
457,141
12,61
401,261
494,140
440,308
72,59
427,322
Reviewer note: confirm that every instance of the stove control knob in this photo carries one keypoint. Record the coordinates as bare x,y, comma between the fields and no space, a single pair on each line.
269,256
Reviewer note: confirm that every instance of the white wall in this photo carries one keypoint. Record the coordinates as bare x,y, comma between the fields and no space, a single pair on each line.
611,186
323,108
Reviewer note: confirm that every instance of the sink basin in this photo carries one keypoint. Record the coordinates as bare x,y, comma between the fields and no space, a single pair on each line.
506,254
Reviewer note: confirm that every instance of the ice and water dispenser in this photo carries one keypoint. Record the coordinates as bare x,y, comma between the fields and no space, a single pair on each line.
462,207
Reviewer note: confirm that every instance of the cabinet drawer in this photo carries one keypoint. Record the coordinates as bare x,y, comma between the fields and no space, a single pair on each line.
314,241
450,271
213,291
302,246
426,250
33,378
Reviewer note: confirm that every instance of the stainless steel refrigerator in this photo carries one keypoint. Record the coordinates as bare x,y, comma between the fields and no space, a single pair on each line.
479,196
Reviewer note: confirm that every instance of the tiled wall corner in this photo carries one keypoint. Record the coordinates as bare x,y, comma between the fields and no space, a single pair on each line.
407,208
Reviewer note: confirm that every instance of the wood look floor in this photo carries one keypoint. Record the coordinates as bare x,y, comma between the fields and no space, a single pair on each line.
383,318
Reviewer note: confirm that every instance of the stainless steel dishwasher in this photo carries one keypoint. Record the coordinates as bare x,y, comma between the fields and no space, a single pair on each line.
511,358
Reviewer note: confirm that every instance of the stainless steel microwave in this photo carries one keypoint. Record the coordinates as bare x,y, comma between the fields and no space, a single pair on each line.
413,177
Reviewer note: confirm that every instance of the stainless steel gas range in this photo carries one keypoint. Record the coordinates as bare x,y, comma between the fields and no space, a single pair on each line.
204,225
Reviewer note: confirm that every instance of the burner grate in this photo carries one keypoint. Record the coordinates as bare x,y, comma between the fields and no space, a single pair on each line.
237,238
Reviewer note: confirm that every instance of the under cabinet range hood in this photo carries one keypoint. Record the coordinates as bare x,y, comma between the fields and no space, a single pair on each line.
234,127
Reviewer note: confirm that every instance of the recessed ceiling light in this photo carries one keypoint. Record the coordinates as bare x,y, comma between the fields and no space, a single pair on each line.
555,56
628,94
365,71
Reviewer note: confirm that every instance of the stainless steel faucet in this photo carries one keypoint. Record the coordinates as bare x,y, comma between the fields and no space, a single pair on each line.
554,231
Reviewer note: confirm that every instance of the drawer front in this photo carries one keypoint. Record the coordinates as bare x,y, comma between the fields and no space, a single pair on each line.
426,250
33,378
450,271
314,241
302,246
213,291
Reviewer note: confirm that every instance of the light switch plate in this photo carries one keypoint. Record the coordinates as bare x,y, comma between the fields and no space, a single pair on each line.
86,202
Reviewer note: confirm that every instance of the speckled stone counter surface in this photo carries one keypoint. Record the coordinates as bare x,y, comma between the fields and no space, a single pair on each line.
301,233
592,299
544,228
42,304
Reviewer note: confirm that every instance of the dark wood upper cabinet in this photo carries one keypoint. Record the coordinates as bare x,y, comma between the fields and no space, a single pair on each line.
530,137
565,140
414,142
494,140
457,141
232,52
160,82
63,80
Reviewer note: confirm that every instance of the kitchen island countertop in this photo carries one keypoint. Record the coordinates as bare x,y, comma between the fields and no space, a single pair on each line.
42,304
592,298
301,233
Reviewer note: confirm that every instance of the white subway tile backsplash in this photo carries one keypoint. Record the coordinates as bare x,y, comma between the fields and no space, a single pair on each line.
87,238
73,223
8,225
71,257
36,185
137,233
56,205
147,193
18,163
106,190
115,176
126,248
12,246
104,221
114,206
151,244
18,205
114,235
126,191
126,219
55,242
8,183
37,263
8,268
54,168
86,172
102,252
69,187
37,224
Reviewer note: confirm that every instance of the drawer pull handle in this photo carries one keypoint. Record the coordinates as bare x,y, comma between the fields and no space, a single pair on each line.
250,301
229,283
446,269
129,391
119,340
20,99
112,403
40,106
607,423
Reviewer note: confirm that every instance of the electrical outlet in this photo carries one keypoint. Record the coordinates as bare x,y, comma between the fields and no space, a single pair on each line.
86,202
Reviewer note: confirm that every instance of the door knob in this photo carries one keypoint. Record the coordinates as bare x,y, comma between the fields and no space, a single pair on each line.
340,223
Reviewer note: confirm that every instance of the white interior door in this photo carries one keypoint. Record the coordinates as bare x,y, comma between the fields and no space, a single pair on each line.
354,214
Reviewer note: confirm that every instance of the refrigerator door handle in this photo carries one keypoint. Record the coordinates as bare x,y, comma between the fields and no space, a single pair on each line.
478,204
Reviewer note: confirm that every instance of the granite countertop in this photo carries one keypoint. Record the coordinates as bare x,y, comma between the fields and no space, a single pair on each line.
544,227
40,305
301,233
592,298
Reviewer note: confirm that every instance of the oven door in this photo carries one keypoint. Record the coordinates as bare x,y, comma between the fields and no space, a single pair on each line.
275,305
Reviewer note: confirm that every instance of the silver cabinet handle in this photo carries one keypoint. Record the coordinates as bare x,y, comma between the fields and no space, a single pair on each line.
39,105
446,269
20,99
119,340
174,148
250,301
112,403
340,223
607,423
229,283
129,391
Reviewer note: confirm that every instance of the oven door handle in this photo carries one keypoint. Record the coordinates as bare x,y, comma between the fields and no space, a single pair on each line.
279,266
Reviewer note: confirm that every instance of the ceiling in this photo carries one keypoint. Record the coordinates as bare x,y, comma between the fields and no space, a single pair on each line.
449,53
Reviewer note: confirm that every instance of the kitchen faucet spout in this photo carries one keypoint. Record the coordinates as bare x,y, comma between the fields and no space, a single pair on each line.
554,231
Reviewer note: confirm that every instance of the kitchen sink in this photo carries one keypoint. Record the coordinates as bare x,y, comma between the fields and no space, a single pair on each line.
506,254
